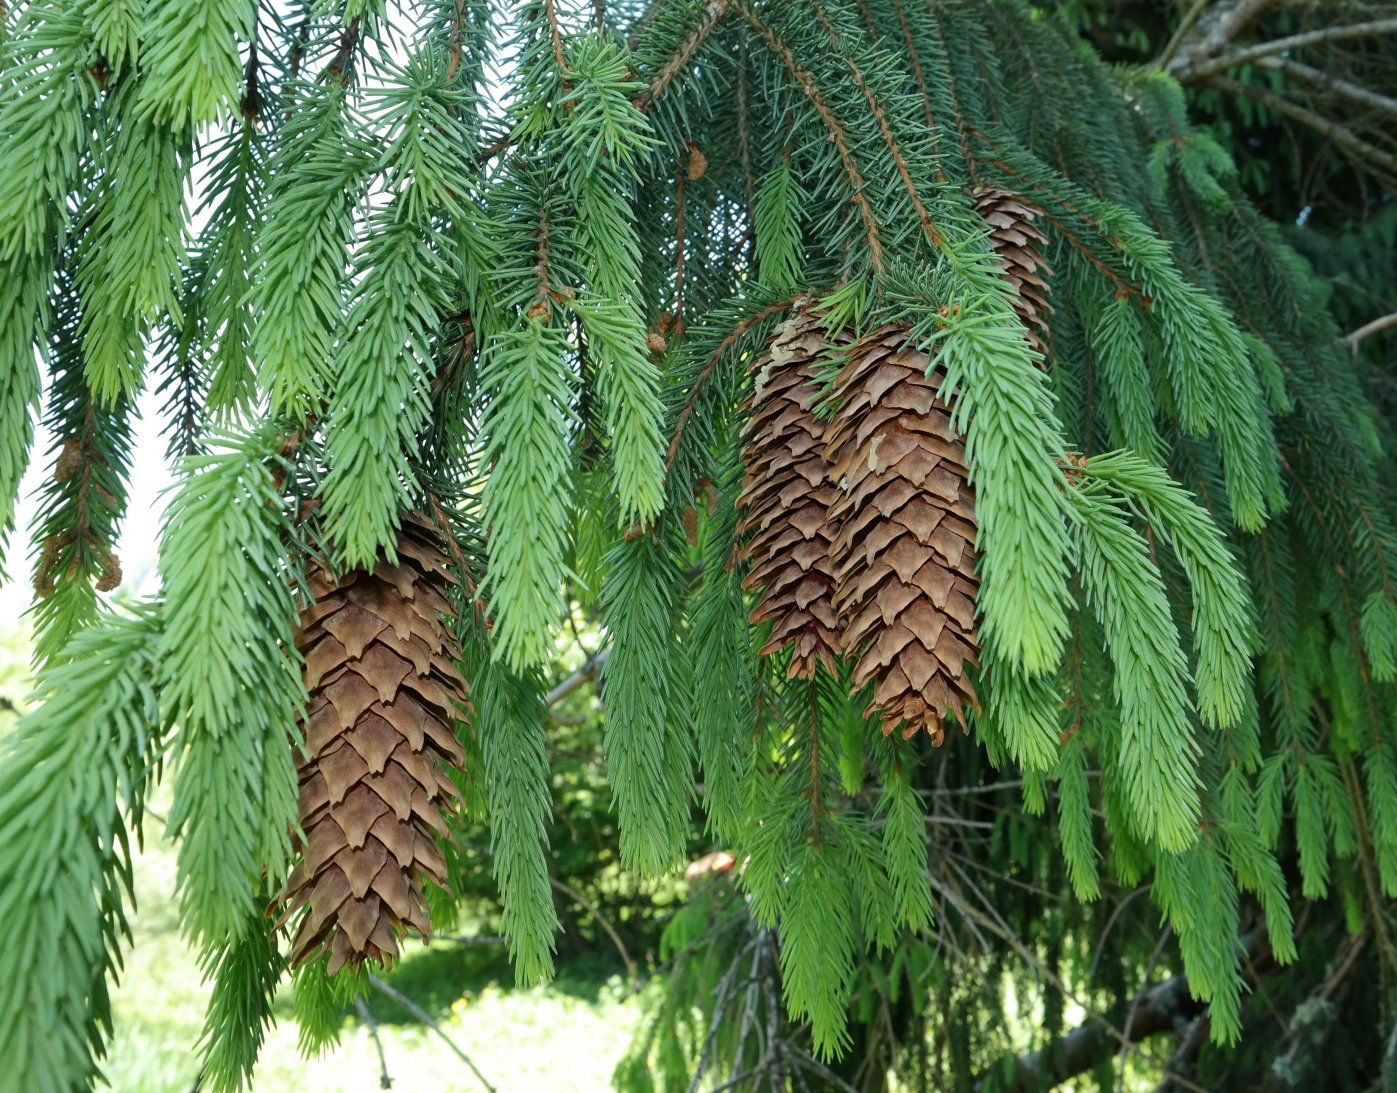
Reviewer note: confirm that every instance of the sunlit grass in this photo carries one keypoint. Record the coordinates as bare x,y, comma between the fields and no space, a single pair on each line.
565,1036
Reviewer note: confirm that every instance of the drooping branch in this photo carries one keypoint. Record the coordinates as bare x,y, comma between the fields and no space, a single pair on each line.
838,135
683,56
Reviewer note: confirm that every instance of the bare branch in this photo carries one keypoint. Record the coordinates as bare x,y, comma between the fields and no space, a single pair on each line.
1186,24
1341,137
1188,72
589,671
1367,330
605,923
1165,1007
1217,28
1335,84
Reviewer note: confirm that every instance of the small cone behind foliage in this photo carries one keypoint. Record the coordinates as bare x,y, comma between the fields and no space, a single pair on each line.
786,497
384,691
905,550
1015,240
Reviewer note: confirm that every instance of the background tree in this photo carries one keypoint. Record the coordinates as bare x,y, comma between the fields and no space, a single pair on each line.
874,372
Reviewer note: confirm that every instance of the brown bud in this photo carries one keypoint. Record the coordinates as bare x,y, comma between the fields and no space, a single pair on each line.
69,460
698,163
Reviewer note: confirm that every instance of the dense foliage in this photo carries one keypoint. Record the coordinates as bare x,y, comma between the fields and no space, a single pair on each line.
507,266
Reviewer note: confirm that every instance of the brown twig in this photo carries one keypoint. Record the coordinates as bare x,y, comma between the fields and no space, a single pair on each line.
838,135
703,377
894,149
605,923
668,72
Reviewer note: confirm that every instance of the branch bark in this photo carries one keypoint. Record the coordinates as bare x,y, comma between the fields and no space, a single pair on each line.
1192,68
589,671
1327,82
1205,31
1367,330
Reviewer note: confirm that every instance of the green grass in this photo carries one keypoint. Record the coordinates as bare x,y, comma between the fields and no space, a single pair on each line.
567,1035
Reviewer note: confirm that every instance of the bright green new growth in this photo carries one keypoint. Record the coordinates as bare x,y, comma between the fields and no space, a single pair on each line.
535,323
230,680
78,769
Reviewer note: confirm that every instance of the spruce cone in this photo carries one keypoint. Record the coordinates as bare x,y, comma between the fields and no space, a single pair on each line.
786,497
905,550
384,691
1015,239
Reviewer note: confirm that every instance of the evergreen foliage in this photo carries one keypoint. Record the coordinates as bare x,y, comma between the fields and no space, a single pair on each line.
534,322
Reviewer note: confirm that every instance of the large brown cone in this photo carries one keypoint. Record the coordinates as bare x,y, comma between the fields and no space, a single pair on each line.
905,551
1015,240
786,497
383,693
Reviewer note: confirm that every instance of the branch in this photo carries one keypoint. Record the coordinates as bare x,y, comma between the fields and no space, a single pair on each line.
1338,86
605,923
838,135
1186,24
1165,1007
421,1015
1338,135
670,70
1216,28
1367,330
1186,72
590,669
366,1015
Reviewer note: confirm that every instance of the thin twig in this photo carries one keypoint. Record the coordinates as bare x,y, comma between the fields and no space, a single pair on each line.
1185,25
366,1015
422,1016
605,923
1134,1006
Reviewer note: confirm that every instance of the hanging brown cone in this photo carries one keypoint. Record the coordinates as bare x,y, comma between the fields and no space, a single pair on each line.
786,496
383,692
905,550
1015,239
